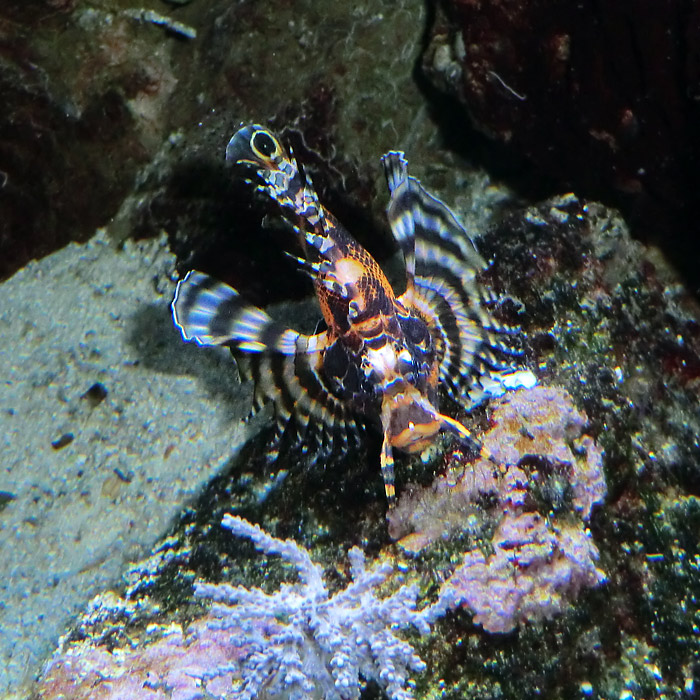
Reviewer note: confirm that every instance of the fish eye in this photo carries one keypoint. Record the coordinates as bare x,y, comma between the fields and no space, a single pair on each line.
263,143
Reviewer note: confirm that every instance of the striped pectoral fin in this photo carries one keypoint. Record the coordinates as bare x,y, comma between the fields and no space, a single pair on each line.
395,169
425,226
320,416
438,231
457,338
210,312
447,290
457,311
306,410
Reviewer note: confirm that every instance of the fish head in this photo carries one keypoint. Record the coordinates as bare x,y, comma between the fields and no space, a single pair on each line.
410,423
257,146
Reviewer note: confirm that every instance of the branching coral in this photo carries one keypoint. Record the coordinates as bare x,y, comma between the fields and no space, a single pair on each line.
304,642
298,642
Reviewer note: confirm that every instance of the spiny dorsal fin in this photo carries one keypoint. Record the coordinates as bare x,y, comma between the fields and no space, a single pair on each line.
400,219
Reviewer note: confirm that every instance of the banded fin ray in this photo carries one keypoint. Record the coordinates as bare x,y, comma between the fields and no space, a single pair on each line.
402,227
306,411
445,289
210,312
323,273
285,365
416,214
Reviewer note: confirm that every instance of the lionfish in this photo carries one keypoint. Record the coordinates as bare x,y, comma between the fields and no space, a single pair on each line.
381,357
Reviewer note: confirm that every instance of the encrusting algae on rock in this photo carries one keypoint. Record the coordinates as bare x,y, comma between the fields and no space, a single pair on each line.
537,505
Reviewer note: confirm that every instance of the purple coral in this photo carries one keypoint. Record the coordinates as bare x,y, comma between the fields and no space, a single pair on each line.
535,569
539,560
168,667
543,421
298,642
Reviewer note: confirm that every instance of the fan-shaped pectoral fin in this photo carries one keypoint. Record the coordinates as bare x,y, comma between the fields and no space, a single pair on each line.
210,312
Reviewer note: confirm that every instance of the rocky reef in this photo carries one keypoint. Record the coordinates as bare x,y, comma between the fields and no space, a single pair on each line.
584,94
568,566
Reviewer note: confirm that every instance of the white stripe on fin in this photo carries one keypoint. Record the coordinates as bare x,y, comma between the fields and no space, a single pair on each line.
210,312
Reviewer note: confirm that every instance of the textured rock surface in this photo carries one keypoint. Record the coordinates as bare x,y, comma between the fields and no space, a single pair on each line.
536,572
604,317
92,90
109,426
84,97
532,437
601,98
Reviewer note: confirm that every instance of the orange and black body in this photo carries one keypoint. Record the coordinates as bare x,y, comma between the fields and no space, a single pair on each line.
381,357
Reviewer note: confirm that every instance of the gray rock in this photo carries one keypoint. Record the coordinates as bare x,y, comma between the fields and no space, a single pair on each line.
109,425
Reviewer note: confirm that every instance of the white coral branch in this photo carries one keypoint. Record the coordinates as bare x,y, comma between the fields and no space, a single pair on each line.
302,642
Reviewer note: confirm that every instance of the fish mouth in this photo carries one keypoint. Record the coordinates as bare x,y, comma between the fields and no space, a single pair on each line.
415,437
411,422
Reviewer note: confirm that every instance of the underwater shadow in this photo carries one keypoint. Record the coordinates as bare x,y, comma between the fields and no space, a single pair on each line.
160,347
340,495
